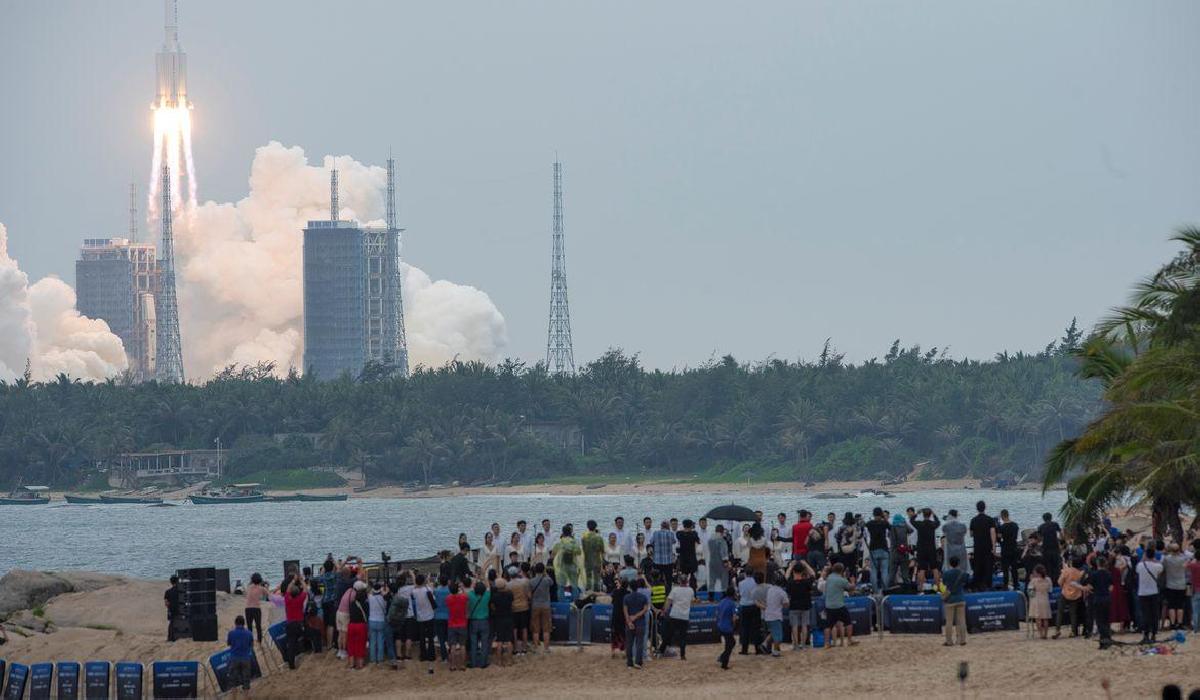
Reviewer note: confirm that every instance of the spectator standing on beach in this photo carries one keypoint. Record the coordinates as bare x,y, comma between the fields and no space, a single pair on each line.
749,612
1039,589
379,634
1099,583
241,654
1175,580
592,544
637,606
926,529
356,629
256,593
835,586
568,558
774,602
726,623
1050,535
900,541
456,626
689,543
539,595
479,632
954,541
879,551
677,610
983,541
1070,601
954,603
293,604
460,564
617,621
663,542
501,621
519,587
424,603
717,556
1009,533
173,601
614,553
1148,573
800,581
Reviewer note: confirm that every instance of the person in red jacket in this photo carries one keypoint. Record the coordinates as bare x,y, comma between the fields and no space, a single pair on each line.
293,606
799,538
456,626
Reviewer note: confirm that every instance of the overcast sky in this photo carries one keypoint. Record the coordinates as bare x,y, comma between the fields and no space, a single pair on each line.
745,178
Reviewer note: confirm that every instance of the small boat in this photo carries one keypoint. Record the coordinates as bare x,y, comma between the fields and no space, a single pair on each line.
234,493
294,498
142,500
26,496
307,498
83,500
834,496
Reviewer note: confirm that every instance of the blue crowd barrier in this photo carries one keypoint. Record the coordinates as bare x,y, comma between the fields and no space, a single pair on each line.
18,678
176,679
96,684
219,663
41,681
861,608
924,614
67,685
130,677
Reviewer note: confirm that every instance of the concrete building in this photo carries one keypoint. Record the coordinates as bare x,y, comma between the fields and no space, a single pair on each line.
115,281
171,466
353,305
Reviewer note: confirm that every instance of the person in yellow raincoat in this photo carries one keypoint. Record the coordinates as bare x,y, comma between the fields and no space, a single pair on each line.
568,560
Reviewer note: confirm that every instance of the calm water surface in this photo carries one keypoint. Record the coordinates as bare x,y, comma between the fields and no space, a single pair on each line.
153,542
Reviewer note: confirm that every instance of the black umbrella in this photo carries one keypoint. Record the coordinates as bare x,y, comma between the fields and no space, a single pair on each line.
731,512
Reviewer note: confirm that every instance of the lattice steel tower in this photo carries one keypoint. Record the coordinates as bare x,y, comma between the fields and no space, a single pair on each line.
560,356
169,366
400,351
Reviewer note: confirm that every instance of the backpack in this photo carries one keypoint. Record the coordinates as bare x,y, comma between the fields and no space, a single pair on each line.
397,611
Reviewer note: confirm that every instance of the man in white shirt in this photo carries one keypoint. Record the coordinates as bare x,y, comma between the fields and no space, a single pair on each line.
549,534
781,523
676,610
526,539
702,531
772,606
624,537
1148,572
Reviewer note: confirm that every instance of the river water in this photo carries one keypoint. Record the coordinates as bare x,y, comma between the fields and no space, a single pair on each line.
153,542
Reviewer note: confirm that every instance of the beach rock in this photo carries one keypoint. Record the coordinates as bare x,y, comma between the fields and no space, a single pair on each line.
24,590
27,620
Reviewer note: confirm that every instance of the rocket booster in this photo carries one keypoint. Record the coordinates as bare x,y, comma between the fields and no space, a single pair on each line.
171,63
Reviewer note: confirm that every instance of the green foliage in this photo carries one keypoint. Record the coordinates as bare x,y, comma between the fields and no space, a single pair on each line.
289,479
477,423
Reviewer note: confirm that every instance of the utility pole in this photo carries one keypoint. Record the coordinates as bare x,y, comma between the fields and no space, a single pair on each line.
560,355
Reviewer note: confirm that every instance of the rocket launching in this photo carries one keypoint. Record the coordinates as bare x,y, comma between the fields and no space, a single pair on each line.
172,120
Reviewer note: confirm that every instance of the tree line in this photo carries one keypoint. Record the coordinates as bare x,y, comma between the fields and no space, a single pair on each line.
482,423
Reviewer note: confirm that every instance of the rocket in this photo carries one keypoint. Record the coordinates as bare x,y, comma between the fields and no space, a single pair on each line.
171,63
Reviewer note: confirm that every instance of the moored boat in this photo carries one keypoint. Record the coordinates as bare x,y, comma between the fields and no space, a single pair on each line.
26,496
234,493
294,498
143,500
308,498
82,500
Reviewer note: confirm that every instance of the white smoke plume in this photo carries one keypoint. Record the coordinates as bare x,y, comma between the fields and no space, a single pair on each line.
39,325
240,272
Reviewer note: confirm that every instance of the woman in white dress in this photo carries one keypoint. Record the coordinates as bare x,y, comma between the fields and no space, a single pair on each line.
741,545
514,545
612,550
539,555
780,550
489,556
639,548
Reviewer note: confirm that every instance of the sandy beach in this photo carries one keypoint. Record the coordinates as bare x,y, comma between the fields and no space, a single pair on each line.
125,621
620,485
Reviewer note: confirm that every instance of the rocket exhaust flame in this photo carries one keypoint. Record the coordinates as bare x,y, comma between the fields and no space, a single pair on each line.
172,122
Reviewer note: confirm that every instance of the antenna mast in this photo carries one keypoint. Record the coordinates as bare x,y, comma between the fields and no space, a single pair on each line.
169,367
333,195
133,212
400,351
560,355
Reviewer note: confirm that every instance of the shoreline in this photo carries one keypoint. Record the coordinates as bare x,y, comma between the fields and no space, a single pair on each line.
621,486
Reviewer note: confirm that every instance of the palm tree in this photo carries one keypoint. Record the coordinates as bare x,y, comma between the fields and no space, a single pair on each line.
1147,444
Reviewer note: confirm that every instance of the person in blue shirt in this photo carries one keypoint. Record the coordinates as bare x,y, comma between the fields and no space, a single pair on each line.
241,653
441,615
726,619
955,580
637,605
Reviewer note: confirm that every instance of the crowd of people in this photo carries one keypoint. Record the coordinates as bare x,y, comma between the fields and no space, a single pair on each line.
491,603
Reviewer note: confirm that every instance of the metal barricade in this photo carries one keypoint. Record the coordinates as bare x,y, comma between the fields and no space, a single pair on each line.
579,626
